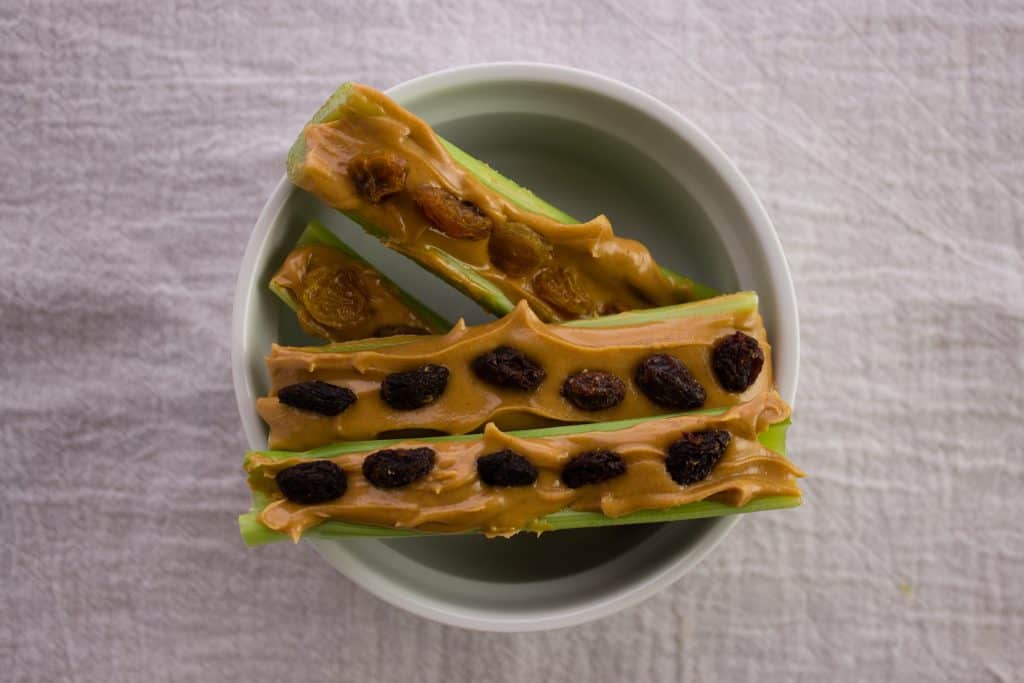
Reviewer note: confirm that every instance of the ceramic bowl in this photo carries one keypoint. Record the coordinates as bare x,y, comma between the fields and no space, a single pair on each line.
588,145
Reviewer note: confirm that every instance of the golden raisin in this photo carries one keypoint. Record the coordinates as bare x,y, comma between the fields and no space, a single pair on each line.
335,297
378,175
518,249
561,287
455,217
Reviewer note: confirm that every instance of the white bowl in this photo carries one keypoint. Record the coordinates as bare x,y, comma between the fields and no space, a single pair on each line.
588,145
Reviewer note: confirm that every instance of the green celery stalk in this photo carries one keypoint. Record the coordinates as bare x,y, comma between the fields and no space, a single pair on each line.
729,303
525,199
317,233
451,269
254,533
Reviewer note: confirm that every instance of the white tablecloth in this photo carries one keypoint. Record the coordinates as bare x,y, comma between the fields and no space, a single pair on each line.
139,144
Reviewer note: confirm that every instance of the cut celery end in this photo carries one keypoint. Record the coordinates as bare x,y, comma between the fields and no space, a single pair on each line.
774,438
317,233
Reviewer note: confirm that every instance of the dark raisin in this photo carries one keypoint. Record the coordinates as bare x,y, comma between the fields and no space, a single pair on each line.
668,382
455,217
392,330
737,361
393,468
378,175
506,468
313,482
517,249
593,467
335,297
509,367
317,397
414,388
594,390
692,457
561,288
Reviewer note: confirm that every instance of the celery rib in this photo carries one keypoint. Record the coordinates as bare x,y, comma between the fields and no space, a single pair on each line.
317,233
774,438
453,271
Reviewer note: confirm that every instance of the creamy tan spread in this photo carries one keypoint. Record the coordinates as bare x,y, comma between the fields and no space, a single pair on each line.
468,403
451,498
614,274
340,298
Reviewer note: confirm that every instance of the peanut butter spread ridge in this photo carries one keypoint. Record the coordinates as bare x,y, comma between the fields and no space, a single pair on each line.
452,498
340,298
567,272
468,403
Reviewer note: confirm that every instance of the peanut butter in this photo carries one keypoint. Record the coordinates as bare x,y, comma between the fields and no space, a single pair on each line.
583,271
468,403
341,298
451,498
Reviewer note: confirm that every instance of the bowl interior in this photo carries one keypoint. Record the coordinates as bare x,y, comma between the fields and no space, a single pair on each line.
586,153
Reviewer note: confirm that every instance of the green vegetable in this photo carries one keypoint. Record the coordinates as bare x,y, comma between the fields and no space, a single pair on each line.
254,533
317,233
741,302
452,270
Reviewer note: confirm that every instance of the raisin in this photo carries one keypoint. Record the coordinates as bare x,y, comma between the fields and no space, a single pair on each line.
509,367
506,468
312,482
335,297
594,390
561,288
517,249
392,330
593,467
393,468
317,397
455,217
691,458
414,388
378,175
737,361
668,382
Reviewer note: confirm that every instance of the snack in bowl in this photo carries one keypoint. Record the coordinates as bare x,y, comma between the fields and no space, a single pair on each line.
498,483
519,372
666,410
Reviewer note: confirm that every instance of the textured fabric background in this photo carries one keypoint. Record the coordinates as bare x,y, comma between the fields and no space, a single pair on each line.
138,146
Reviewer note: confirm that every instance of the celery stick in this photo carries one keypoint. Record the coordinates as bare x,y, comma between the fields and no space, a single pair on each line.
452,270
317,233
254,533
721,305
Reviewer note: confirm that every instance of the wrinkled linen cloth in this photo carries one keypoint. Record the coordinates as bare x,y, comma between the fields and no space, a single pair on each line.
140,141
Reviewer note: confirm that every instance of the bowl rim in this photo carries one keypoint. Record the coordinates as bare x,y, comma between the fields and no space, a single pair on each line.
787,323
